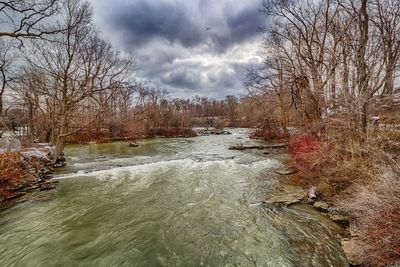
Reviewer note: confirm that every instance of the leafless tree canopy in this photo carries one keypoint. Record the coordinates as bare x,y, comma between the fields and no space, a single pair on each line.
328,57
28,19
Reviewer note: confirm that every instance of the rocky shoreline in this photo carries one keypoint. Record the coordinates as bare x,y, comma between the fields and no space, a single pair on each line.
286,194
38,163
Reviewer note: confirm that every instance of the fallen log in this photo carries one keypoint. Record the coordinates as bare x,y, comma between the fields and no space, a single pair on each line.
259,147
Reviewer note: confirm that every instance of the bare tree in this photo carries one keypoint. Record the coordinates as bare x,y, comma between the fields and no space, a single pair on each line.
28,19
386,18
327,66
77,66
19,20
7,57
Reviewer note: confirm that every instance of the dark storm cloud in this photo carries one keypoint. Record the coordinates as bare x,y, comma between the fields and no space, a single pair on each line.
244,25
143,21
183,77
173,47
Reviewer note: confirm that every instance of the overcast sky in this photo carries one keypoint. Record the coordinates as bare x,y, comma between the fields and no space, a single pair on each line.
174,49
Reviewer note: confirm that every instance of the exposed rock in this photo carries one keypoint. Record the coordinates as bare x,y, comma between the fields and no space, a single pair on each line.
352,250
321,206
259,147
343,220
287,195
46,186
312,193
285,172
132,144
37,154
59,164
213,132
32,187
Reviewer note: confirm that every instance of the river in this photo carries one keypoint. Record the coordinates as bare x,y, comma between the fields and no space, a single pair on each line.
169,202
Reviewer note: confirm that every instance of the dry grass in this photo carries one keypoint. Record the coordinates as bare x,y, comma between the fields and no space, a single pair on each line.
363,180
332,166
267,134
376,207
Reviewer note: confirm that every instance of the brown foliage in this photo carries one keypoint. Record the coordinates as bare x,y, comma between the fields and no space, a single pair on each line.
14,172
85,137
332,165
362,179
269,130
266,134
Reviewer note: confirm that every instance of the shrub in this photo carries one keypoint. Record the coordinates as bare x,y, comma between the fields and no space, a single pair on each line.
360,178
303,150
332,166
268,134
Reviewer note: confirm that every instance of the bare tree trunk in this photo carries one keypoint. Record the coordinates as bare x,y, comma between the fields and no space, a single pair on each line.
389,78
1,104
345,79
60,142
318,93
362,65
333,89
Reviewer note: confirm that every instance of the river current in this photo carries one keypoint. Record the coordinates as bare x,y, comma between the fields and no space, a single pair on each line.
169,202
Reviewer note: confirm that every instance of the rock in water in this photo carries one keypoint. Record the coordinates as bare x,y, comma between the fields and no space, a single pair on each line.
321,206
285,172
288,195
132,144
312,195
343,220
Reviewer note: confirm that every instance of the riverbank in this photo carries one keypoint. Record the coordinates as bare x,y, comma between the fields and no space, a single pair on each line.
84,137
169,132
25,171
355,186
287,194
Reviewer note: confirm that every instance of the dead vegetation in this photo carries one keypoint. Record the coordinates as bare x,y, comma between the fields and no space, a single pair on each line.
359,177
333,87
15,172
333,165
375,207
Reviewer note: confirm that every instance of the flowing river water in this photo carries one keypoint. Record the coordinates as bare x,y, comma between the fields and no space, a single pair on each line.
169,202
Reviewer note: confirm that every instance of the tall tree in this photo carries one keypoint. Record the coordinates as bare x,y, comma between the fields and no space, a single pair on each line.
77,66
29,19
7,57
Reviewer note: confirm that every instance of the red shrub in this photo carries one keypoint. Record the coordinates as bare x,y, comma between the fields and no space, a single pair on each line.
302,151
327,166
